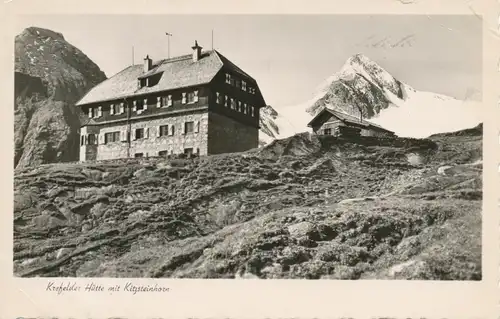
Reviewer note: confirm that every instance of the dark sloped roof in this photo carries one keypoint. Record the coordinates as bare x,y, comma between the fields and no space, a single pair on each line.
347,118
177,72
233,66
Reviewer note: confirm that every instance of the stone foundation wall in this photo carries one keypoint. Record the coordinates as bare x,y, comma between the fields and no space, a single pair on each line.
152,144
216,134
226,135
368,132
115,149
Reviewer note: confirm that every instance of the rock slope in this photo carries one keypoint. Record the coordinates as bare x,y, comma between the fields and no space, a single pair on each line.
303,207
50,76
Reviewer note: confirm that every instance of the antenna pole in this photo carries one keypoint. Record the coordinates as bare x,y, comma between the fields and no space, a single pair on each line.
212,39
168,42
133,61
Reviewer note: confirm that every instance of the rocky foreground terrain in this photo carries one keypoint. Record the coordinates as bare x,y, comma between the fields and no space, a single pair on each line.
303,207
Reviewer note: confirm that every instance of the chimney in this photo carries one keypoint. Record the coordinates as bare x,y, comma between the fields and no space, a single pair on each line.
148,63
196,51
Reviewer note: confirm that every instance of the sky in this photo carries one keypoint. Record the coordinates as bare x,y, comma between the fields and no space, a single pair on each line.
290,55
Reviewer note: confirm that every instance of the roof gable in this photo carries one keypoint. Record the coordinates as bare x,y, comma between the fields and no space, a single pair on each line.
345,118
233,66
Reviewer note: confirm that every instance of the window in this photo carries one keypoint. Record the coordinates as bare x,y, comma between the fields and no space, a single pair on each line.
82,142
91,139
139,133
189,127
188,151
251,90
114,109
233,104
239,106
243,85
95,112
166,100
111,137
327,131
137,155
238,83
244,108
172,130
139,105
163,130
190,97
163,153
217,98
226,101
252,110
228,78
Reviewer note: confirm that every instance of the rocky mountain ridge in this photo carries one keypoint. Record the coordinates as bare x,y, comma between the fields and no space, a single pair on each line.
50,76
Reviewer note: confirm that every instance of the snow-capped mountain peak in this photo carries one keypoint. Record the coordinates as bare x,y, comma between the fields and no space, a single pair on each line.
361,65
363,86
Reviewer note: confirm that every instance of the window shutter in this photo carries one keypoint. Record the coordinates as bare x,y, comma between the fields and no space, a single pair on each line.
146,132
239,106
183,129
183,98
145,104
158,128
134,108
171,130
122,108
133,135
158,102
90,112
196,126
99,111
101,139
169,100
196,96
85,140
112,109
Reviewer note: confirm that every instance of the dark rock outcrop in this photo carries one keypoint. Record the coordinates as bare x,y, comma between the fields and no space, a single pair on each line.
51,75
